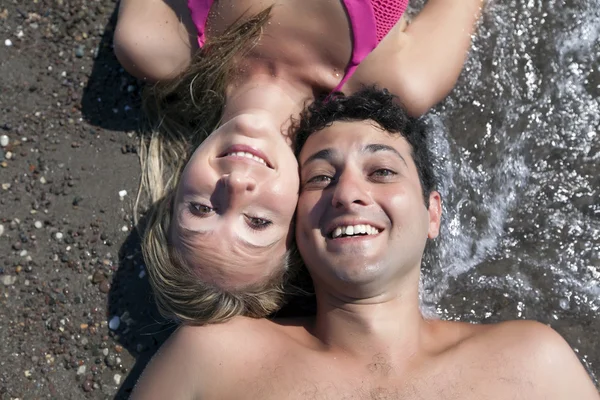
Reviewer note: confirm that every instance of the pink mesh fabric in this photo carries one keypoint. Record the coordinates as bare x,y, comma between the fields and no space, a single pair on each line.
387,13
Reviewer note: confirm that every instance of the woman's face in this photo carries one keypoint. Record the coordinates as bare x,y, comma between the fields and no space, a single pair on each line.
235,202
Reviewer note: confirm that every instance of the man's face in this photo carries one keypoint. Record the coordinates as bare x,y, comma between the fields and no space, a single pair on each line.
361,217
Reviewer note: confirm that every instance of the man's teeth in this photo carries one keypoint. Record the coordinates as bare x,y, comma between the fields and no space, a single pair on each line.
352,230
248,155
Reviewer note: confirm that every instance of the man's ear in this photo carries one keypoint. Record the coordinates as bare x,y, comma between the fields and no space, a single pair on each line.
435,214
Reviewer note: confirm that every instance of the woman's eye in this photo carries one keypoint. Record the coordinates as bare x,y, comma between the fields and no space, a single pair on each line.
258,223
200,209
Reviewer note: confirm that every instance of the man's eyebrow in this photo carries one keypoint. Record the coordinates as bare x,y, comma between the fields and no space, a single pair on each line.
325,154
375,147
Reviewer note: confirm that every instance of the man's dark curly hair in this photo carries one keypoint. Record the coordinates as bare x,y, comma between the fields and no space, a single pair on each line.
379,106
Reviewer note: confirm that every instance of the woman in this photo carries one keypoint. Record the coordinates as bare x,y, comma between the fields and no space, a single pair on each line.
220,168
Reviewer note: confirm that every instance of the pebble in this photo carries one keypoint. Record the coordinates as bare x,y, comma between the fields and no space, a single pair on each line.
80,51
122,194
81,370
98,277
6,186
43,180
104,286
1,229
58,235
114,323
117,379
124,228
4,141
38,224
87,386
8,43
8,155
8,280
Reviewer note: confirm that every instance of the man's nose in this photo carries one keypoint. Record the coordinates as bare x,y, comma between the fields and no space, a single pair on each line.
350,190
240,187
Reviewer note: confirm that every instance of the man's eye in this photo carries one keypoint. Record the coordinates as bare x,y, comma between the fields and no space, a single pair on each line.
200,209
319,180
383,172
258,224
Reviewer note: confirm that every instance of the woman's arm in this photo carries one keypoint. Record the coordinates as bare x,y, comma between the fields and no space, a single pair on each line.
420,64
154,39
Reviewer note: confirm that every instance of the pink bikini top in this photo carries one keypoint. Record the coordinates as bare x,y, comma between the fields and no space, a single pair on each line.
370,20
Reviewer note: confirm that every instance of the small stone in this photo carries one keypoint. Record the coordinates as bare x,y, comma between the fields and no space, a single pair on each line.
38,224
27,373
8,42
117,379
124,228
23,253
80,51
87,386
8,155
104,286
1,229
83,327
17,246
20,34
114,323
58,236
4,141
6,186
81,370
122,194
8,280
43,180
98,277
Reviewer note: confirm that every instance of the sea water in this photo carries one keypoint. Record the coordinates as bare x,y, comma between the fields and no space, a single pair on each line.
518,156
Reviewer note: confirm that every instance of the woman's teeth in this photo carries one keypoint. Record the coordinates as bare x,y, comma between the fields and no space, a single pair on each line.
247,155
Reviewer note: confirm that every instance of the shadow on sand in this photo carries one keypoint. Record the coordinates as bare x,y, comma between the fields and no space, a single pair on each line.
111,99
142,330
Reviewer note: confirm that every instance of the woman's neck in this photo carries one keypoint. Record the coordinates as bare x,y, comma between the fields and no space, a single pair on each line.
267,93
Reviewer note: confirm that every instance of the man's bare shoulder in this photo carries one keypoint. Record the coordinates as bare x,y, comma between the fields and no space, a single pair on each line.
524,354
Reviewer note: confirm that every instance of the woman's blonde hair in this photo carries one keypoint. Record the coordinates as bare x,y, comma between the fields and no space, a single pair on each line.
181,295
185,111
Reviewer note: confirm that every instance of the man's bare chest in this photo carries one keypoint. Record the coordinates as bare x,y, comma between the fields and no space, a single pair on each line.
376,380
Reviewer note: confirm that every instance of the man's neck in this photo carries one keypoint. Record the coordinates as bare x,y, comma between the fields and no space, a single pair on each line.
387,322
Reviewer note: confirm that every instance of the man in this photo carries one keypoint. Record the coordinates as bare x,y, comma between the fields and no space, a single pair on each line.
367,207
